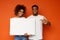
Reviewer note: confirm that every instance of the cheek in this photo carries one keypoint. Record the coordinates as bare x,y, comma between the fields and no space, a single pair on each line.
19,13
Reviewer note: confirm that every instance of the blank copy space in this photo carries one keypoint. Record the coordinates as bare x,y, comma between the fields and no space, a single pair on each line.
20,26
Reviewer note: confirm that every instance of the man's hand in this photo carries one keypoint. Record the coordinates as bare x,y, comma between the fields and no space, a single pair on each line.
48,23
45,21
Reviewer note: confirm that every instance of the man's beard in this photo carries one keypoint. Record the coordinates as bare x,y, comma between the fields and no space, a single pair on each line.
35,14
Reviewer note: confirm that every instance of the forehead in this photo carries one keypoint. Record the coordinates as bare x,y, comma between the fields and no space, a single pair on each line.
21,10
35,7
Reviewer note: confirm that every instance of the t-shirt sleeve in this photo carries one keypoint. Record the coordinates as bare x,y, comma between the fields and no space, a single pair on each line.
43,17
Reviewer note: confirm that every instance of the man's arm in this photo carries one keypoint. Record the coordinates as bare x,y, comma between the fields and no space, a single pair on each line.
45,21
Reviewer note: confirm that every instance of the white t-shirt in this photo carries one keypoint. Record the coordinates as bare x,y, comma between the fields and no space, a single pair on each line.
38,28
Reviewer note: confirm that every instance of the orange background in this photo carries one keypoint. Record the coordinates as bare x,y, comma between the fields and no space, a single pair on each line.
48,8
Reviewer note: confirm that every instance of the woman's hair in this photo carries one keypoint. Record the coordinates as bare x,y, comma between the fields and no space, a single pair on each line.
19,7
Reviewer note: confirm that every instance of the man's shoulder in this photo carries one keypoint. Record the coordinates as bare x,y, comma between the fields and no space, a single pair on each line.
30,16
41,15
37,15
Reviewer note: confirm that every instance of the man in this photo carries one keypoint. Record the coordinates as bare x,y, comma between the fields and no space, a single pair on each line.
39,20
19,12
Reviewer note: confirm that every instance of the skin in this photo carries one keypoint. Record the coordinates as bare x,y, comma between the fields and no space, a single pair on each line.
35,13
20,13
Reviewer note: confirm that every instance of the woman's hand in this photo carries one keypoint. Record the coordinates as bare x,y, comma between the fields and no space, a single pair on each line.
26,34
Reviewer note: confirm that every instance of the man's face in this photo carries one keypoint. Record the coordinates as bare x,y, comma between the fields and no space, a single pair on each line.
35,10
20,13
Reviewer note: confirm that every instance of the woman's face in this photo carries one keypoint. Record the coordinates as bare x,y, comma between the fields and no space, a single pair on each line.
20,13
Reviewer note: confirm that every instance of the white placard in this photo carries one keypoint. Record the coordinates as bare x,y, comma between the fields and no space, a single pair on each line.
20,26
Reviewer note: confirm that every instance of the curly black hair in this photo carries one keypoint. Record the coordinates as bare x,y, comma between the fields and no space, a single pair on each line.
19,7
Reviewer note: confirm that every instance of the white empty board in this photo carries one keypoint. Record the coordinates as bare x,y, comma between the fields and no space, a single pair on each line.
20,26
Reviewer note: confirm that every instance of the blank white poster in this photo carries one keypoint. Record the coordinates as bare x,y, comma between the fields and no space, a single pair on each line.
20,26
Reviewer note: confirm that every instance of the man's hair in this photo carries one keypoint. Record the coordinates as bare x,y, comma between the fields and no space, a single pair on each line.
35,6
19,7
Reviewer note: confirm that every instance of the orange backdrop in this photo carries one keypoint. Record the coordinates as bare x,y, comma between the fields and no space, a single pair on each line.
48,8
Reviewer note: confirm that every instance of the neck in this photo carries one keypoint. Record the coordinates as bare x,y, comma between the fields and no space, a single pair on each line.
35,14
19,16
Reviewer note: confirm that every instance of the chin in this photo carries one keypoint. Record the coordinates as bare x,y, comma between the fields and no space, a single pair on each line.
20,16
